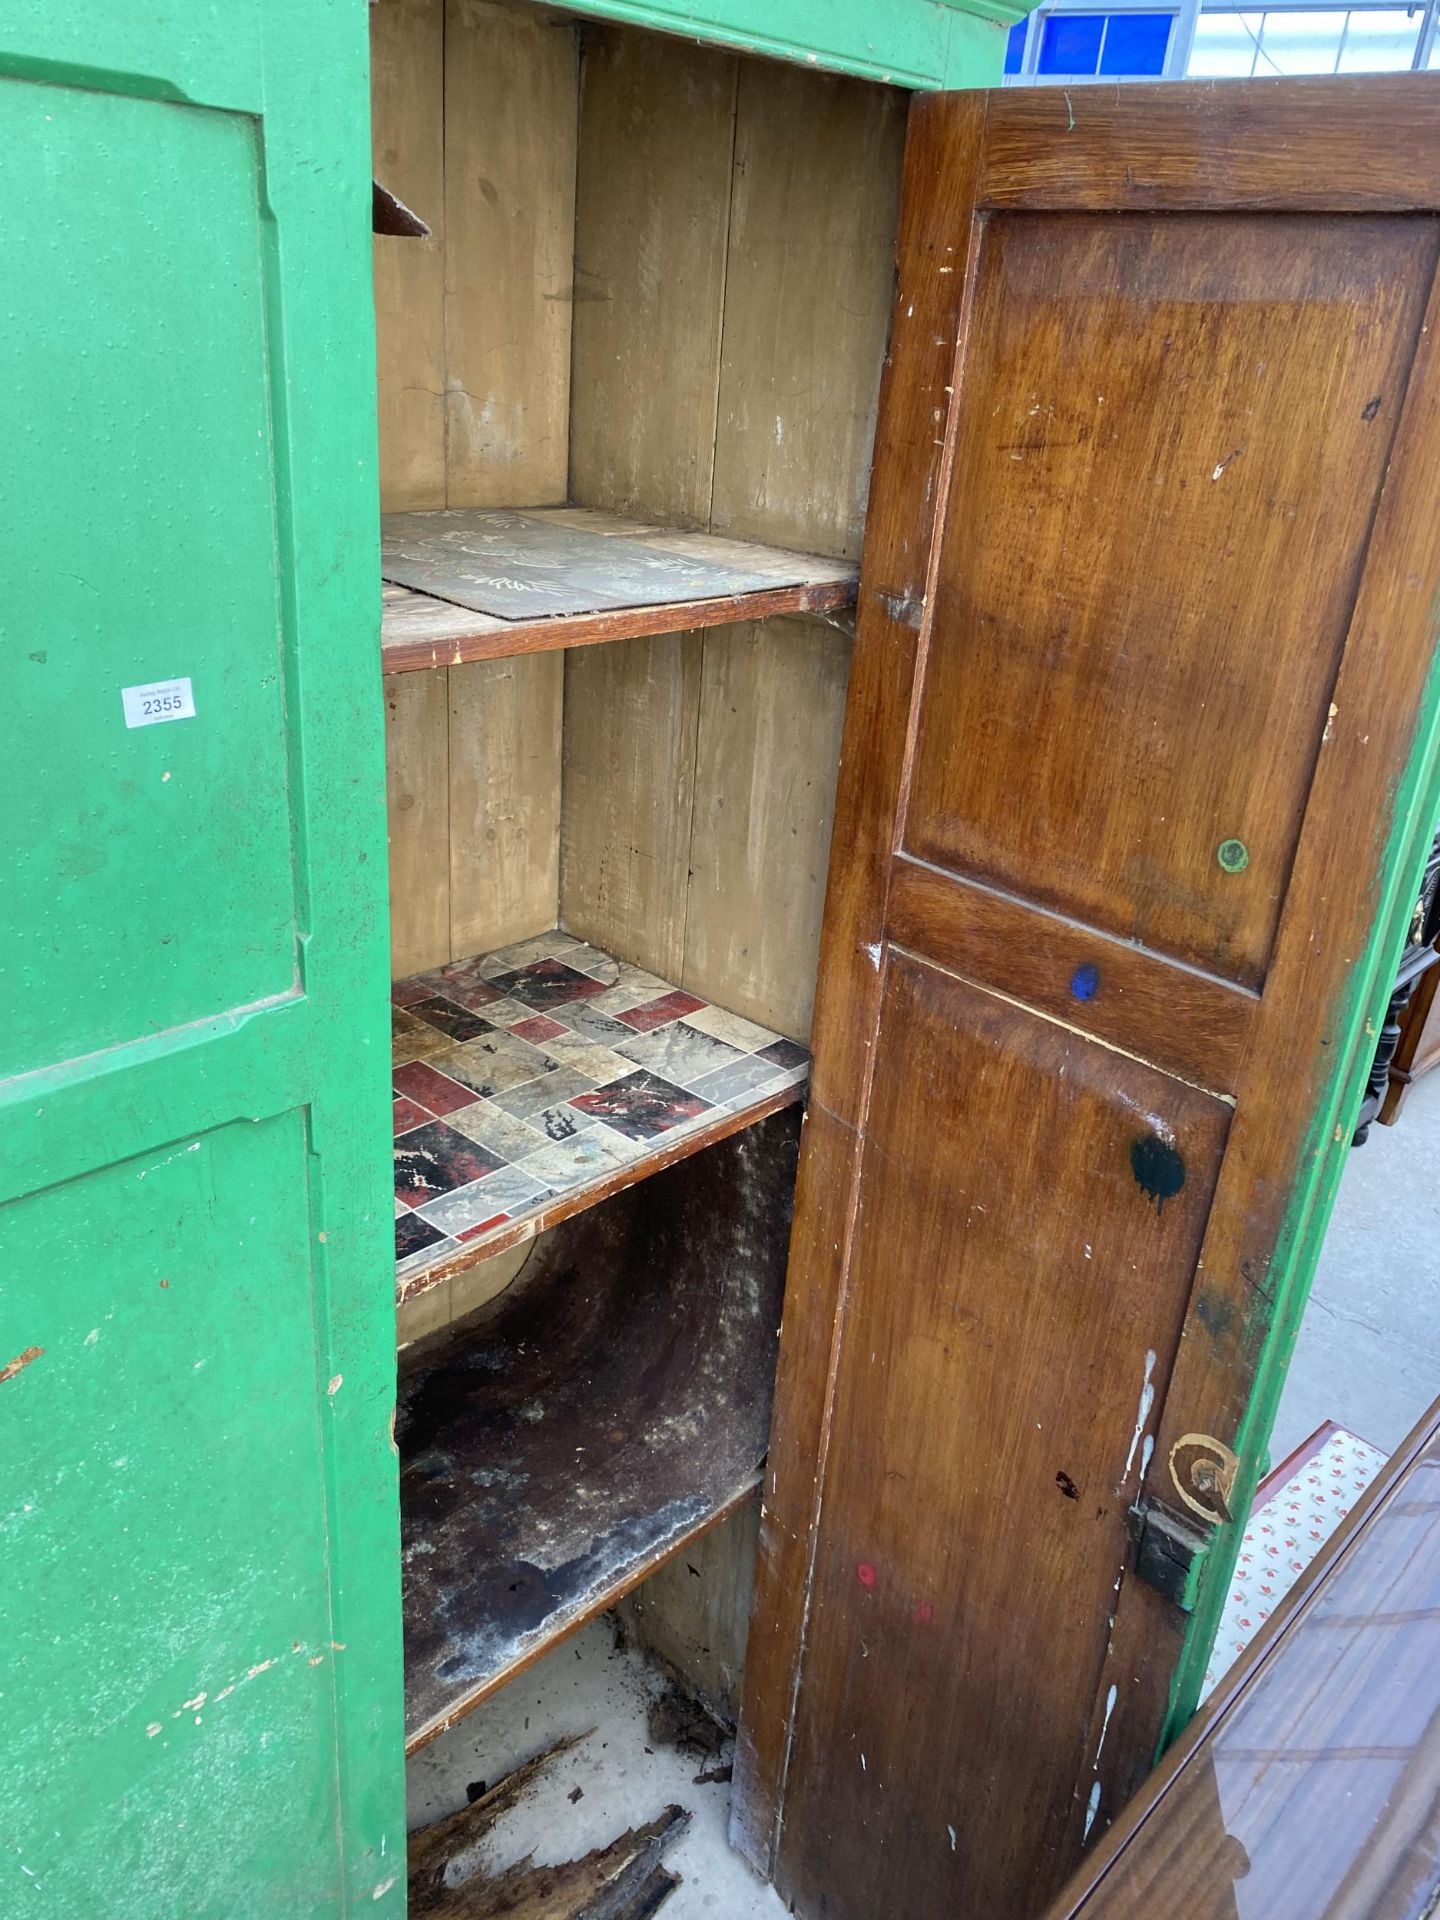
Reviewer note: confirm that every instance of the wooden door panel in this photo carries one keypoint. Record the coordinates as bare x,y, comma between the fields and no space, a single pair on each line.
1077,1276
1182,1020
1140,768
1184,426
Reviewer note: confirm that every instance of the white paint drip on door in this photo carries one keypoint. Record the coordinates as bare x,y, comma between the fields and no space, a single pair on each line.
1092,1809
1147,1402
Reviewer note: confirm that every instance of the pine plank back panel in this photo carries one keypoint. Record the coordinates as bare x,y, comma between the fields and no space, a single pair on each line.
1138,764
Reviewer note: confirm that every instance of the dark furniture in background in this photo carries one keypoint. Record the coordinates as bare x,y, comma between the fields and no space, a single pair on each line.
1410,1038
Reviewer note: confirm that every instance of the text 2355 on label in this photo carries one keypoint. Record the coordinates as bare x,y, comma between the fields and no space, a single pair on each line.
159,700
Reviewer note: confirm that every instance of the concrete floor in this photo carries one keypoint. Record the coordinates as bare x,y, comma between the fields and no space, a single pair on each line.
1368,1354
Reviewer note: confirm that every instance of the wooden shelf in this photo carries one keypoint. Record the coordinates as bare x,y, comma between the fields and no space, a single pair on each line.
537,1080
480,584
564,1441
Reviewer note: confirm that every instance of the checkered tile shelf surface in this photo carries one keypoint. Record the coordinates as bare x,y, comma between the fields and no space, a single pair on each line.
529,1075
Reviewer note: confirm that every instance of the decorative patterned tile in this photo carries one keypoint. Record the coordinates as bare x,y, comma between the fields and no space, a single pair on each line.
484,1226
461,981
434,1159
585,1018
562,1122
792,1077
786,1053
590,1156
427,1256
417,987
403,1023
492,1127
731,1028
508,1013
655,1013
558,1085
449,1017
436,1092
538,1029
523,953
590,960
617,1000
641,1106
745,1078
597,1063
412,1234
506,1191
407,1115
681,1054
492,1065
547,1066
649,983
545,984
412,1039
476,995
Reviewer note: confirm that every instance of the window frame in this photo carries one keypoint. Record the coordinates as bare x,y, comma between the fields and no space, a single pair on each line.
1186,13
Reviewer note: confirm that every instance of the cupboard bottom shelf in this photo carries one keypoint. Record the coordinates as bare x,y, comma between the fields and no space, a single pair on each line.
565,1440
534,1081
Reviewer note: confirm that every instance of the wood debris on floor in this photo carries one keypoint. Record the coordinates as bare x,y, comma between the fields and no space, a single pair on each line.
626,1880
585,1709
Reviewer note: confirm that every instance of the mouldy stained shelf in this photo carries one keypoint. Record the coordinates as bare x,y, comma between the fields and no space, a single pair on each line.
535,1080
611,1405
479,583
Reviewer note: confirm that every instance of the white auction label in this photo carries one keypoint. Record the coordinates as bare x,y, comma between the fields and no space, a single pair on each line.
161,700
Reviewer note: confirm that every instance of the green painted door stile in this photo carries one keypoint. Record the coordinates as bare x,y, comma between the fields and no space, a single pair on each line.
201,1687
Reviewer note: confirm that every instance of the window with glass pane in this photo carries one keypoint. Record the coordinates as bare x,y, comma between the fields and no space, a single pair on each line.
1226,46
1070,43
1135,43
1296,42
1380,40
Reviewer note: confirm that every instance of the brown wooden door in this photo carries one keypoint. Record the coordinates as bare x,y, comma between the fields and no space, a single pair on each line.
1138,722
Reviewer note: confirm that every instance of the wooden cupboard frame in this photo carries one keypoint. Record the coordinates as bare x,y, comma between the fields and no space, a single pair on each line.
652,306
634,421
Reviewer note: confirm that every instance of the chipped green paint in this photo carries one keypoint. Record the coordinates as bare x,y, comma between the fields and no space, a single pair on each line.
910,43
200,1616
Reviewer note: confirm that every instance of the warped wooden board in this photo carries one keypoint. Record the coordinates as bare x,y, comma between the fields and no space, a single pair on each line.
417,775
612,1404
628,796
511,87
407,119
469,584
657,137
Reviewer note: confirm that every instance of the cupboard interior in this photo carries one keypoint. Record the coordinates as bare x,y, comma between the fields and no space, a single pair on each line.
654,299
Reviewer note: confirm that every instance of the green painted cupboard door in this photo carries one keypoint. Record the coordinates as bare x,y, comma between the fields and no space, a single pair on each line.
199,1609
